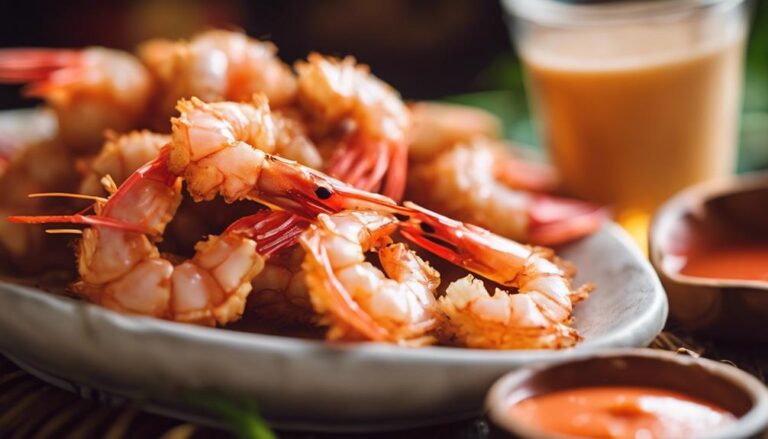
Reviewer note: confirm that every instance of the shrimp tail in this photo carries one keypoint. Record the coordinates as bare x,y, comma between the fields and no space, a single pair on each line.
43,69
361,164
341,162
372,165
555,220
397,172
272,230
530,176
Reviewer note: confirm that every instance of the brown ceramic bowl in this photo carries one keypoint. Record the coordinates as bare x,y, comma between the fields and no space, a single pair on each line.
721,384
734,210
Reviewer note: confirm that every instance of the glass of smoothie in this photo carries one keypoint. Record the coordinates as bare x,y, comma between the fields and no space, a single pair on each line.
634,100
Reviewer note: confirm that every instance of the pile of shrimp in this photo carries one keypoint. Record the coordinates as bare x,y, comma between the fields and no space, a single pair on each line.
214,183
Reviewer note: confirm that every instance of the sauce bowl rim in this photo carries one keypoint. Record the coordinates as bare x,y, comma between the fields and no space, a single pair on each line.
750,424
690,200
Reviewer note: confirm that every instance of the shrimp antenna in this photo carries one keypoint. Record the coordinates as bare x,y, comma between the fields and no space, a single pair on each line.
68,195
91,220
64,231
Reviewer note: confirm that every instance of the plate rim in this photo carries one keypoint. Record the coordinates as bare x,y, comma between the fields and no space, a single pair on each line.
649,323
639,331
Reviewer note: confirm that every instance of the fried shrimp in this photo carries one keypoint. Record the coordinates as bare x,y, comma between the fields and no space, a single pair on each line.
225,149
438,126
460,183
40,166
277,194
90,90
538,315
121,267
341,95
208,128
214,66
221,150
357,300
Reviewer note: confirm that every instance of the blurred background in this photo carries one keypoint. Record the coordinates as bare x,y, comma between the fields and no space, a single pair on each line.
455,50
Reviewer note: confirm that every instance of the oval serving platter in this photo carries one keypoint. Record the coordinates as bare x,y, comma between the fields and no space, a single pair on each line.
308,384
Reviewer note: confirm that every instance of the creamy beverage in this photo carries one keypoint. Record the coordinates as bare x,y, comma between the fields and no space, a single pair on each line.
634,111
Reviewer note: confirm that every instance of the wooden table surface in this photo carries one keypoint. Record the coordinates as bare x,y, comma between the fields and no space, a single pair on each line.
32,408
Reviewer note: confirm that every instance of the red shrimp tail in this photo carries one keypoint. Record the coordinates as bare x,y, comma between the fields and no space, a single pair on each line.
272,230
371,166
91,220
43,69
353,162
526,175
341,161
397,173
555,220
288,238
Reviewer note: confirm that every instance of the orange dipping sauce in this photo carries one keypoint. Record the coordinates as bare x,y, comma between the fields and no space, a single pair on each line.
744,262
620,412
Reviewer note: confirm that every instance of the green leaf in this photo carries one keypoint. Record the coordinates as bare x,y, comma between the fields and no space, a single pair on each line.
242,417
756,82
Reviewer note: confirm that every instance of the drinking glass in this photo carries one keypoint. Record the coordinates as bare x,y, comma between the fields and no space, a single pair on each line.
634,100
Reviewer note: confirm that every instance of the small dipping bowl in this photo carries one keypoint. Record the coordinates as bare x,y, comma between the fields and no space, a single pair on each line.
722,385
711,217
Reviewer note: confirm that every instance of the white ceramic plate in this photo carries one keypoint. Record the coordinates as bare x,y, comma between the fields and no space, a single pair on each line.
303,384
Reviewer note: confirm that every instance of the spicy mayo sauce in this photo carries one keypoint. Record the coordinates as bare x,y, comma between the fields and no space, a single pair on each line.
620,412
